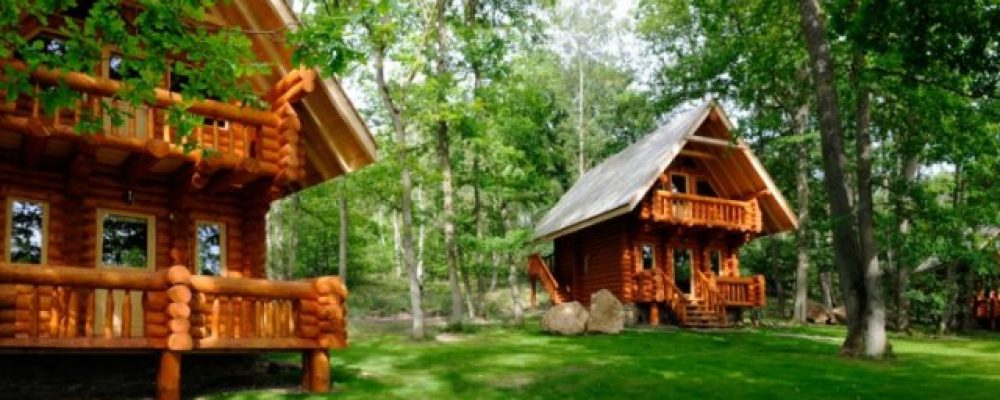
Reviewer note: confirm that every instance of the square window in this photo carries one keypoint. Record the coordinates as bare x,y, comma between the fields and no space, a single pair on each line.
26,232
211,238
126,240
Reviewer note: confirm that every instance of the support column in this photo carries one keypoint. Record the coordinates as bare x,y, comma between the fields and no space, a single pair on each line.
319,370
654,314
168,376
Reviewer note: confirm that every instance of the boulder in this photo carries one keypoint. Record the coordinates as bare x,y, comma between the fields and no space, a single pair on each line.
605,313
565,319
817,314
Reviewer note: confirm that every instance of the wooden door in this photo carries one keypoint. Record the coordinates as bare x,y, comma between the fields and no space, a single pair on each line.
125,242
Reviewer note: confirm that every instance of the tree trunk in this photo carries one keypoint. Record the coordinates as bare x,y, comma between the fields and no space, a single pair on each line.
876,342
342,249
406,188
802,233
826,288
516,308
911,166
444,163
845,238
581,134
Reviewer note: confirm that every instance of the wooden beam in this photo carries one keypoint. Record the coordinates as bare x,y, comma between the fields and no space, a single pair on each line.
136,166
714,141
697,154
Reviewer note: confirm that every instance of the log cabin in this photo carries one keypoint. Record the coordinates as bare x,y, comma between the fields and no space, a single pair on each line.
123,240
661,223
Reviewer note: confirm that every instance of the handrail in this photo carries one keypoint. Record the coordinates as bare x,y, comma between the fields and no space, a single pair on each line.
84,277
107,87
700,210
254,287
538,269
708,292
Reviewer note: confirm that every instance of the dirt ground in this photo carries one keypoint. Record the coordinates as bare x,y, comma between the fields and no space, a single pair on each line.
133,376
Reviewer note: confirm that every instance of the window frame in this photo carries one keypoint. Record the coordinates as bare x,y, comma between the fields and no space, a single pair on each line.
150,238
9,229
223,250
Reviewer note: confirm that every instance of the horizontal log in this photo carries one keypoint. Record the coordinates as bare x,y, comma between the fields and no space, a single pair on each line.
180,342
84,343
257,343
178,310
163,98
157,331
82,277
253,287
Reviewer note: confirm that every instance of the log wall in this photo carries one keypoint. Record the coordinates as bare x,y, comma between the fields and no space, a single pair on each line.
74,197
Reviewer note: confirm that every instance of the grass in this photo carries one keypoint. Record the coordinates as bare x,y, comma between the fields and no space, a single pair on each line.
792,363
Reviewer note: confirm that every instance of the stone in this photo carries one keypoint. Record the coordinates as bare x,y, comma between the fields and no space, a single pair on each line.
566,319
817,314
605,313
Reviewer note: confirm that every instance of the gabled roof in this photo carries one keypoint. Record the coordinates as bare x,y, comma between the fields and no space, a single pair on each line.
337,141
617,185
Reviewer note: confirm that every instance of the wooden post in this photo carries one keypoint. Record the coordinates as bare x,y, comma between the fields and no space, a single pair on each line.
168,376
307,375
654,314
319,370
534,303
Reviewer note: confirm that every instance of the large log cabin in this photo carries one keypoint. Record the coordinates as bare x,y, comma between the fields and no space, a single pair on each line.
123,240
660,225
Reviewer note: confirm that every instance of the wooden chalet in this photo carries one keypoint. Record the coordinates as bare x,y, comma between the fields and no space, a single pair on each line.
660,225
120,240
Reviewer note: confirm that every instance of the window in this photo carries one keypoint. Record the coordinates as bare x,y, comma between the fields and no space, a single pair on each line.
648,256
27,231
678,183
715,261
704,188
211,257
126,240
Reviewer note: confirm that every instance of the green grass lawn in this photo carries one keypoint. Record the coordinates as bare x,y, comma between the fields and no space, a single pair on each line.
792,363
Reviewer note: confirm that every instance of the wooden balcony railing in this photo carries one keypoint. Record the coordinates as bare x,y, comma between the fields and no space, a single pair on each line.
742,291
235,134
68,307
691,210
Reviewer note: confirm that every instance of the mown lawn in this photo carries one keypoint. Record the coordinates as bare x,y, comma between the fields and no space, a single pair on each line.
800,363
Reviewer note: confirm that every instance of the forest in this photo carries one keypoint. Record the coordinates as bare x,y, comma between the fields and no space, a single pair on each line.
879,121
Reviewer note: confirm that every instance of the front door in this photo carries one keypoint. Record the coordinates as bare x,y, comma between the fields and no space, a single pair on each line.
125,242
682,269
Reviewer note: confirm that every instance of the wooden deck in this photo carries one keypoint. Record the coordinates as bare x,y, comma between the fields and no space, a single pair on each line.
704,212
59,308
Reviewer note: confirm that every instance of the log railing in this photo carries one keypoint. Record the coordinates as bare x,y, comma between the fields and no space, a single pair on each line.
654,286
742,291
234,133
538,270
68,307
706,290
692,210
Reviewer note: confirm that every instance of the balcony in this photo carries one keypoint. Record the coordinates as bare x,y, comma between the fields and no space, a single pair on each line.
699,211
232,137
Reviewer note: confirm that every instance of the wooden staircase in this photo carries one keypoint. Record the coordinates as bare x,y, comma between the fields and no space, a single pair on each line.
698,316
538,270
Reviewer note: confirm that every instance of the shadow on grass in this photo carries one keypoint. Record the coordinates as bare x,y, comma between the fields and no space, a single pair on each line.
500,363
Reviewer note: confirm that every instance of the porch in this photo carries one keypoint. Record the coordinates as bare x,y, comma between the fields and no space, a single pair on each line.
46,308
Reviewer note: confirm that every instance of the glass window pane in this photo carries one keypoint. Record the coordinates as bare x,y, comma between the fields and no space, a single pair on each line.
647,256
125,242
678,184
26,232
209,249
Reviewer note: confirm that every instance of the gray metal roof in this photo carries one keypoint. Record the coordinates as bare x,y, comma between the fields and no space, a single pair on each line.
616,186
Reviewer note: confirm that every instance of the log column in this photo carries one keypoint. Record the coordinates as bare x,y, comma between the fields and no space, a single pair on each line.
168,376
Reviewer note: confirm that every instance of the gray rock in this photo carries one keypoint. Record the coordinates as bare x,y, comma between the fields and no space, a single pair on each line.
565,319
605,313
